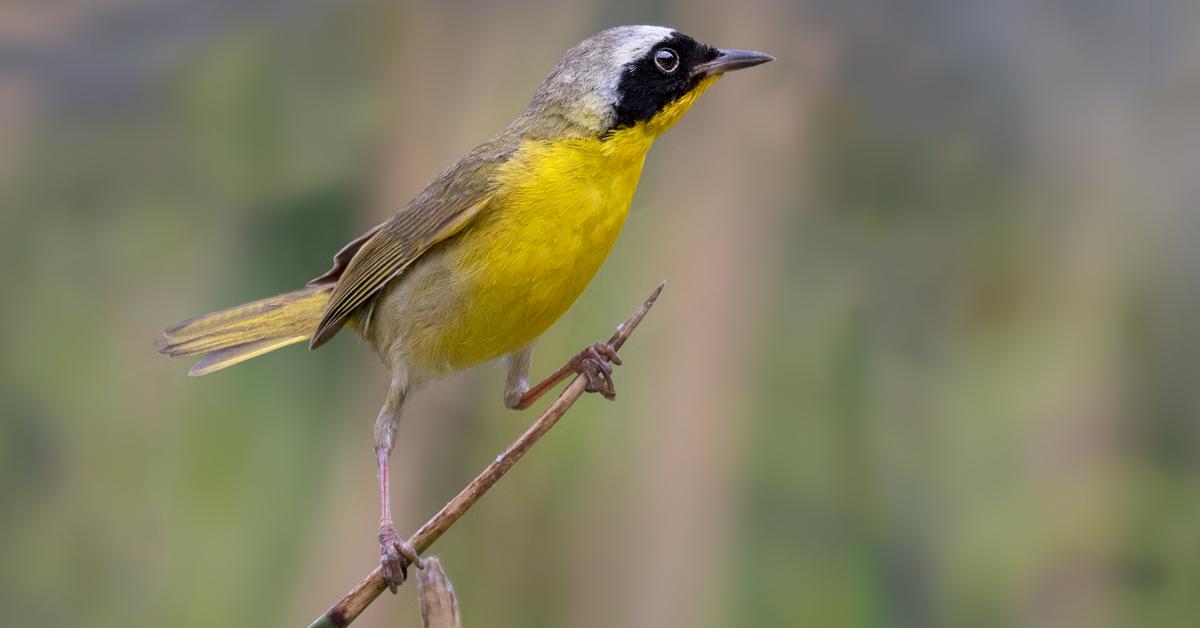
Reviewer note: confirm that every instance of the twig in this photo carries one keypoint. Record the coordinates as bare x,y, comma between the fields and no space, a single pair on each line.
439,607
361,596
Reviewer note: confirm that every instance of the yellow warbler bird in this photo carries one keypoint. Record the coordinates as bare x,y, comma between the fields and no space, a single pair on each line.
496,247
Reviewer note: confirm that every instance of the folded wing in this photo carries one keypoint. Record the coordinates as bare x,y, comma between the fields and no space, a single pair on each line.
368,263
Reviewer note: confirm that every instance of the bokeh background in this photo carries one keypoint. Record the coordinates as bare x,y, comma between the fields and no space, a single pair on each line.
928,354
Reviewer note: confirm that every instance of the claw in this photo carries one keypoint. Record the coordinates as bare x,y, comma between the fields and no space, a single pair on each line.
606,350
593,363
405,549
395,554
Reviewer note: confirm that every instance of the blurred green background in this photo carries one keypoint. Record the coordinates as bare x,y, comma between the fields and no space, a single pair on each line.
927,356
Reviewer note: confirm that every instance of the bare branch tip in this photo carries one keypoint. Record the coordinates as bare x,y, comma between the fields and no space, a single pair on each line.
657,291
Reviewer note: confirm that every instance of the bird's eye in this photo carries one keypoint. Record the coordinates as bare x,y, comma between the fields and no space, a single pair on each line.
667,60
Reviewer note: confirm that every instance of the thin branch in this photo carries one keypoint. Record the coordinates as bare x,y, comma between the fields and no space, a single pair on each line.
361,596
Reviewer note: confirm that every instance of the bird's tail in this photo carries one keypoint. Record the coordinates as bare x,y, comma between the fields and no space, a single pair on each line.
246,331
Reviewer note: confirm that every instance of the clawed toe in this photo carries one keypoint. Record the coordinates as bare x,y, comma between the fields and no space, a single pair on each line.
395,554
394,570
605,350
593,363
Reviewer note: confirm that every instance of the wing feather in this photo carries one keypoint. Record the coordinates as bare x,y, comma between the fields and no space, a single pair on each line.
368,263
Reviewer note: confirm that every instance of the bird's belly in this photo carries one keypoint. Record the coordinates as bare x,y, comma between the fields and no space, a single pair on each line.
525,260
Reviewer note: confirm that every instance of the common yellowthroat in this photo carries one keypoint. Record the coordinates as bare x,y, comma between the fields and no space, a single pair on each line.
496,247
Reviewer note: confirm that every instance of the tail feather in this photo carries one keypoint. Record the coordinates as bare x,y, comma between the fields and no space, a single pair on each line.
237,354
239,333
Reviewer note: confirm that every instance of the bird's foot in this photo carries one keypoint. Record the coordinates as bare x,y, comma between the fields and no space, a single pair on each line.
593,363
395,554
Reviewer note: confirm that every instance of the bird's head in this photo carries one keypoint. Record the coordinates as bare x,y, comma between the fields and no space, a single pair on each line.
627,77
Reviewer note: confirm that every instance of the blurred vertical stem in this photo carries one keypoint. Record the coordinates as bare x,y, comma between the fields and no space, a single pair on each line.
360,597
439,606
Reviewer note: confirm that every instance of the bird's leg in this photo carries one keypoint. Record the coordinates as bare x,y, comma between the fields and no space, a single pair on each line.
393,548
593,363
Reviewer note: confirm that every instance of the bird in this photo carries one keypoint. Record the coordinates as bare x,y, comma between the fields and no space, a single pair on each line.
495,248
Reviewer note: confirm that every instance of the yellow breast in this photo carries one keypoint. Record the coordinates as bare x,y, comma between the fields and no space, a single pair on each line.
555,217
557,211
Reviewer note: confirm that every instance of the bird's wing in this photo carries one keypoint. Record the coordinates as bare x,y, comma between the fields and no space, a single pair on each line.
342,259
365,265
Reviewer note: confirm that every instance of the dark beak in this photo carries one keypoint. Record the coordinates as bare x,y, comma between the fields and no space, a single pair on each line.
730,60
